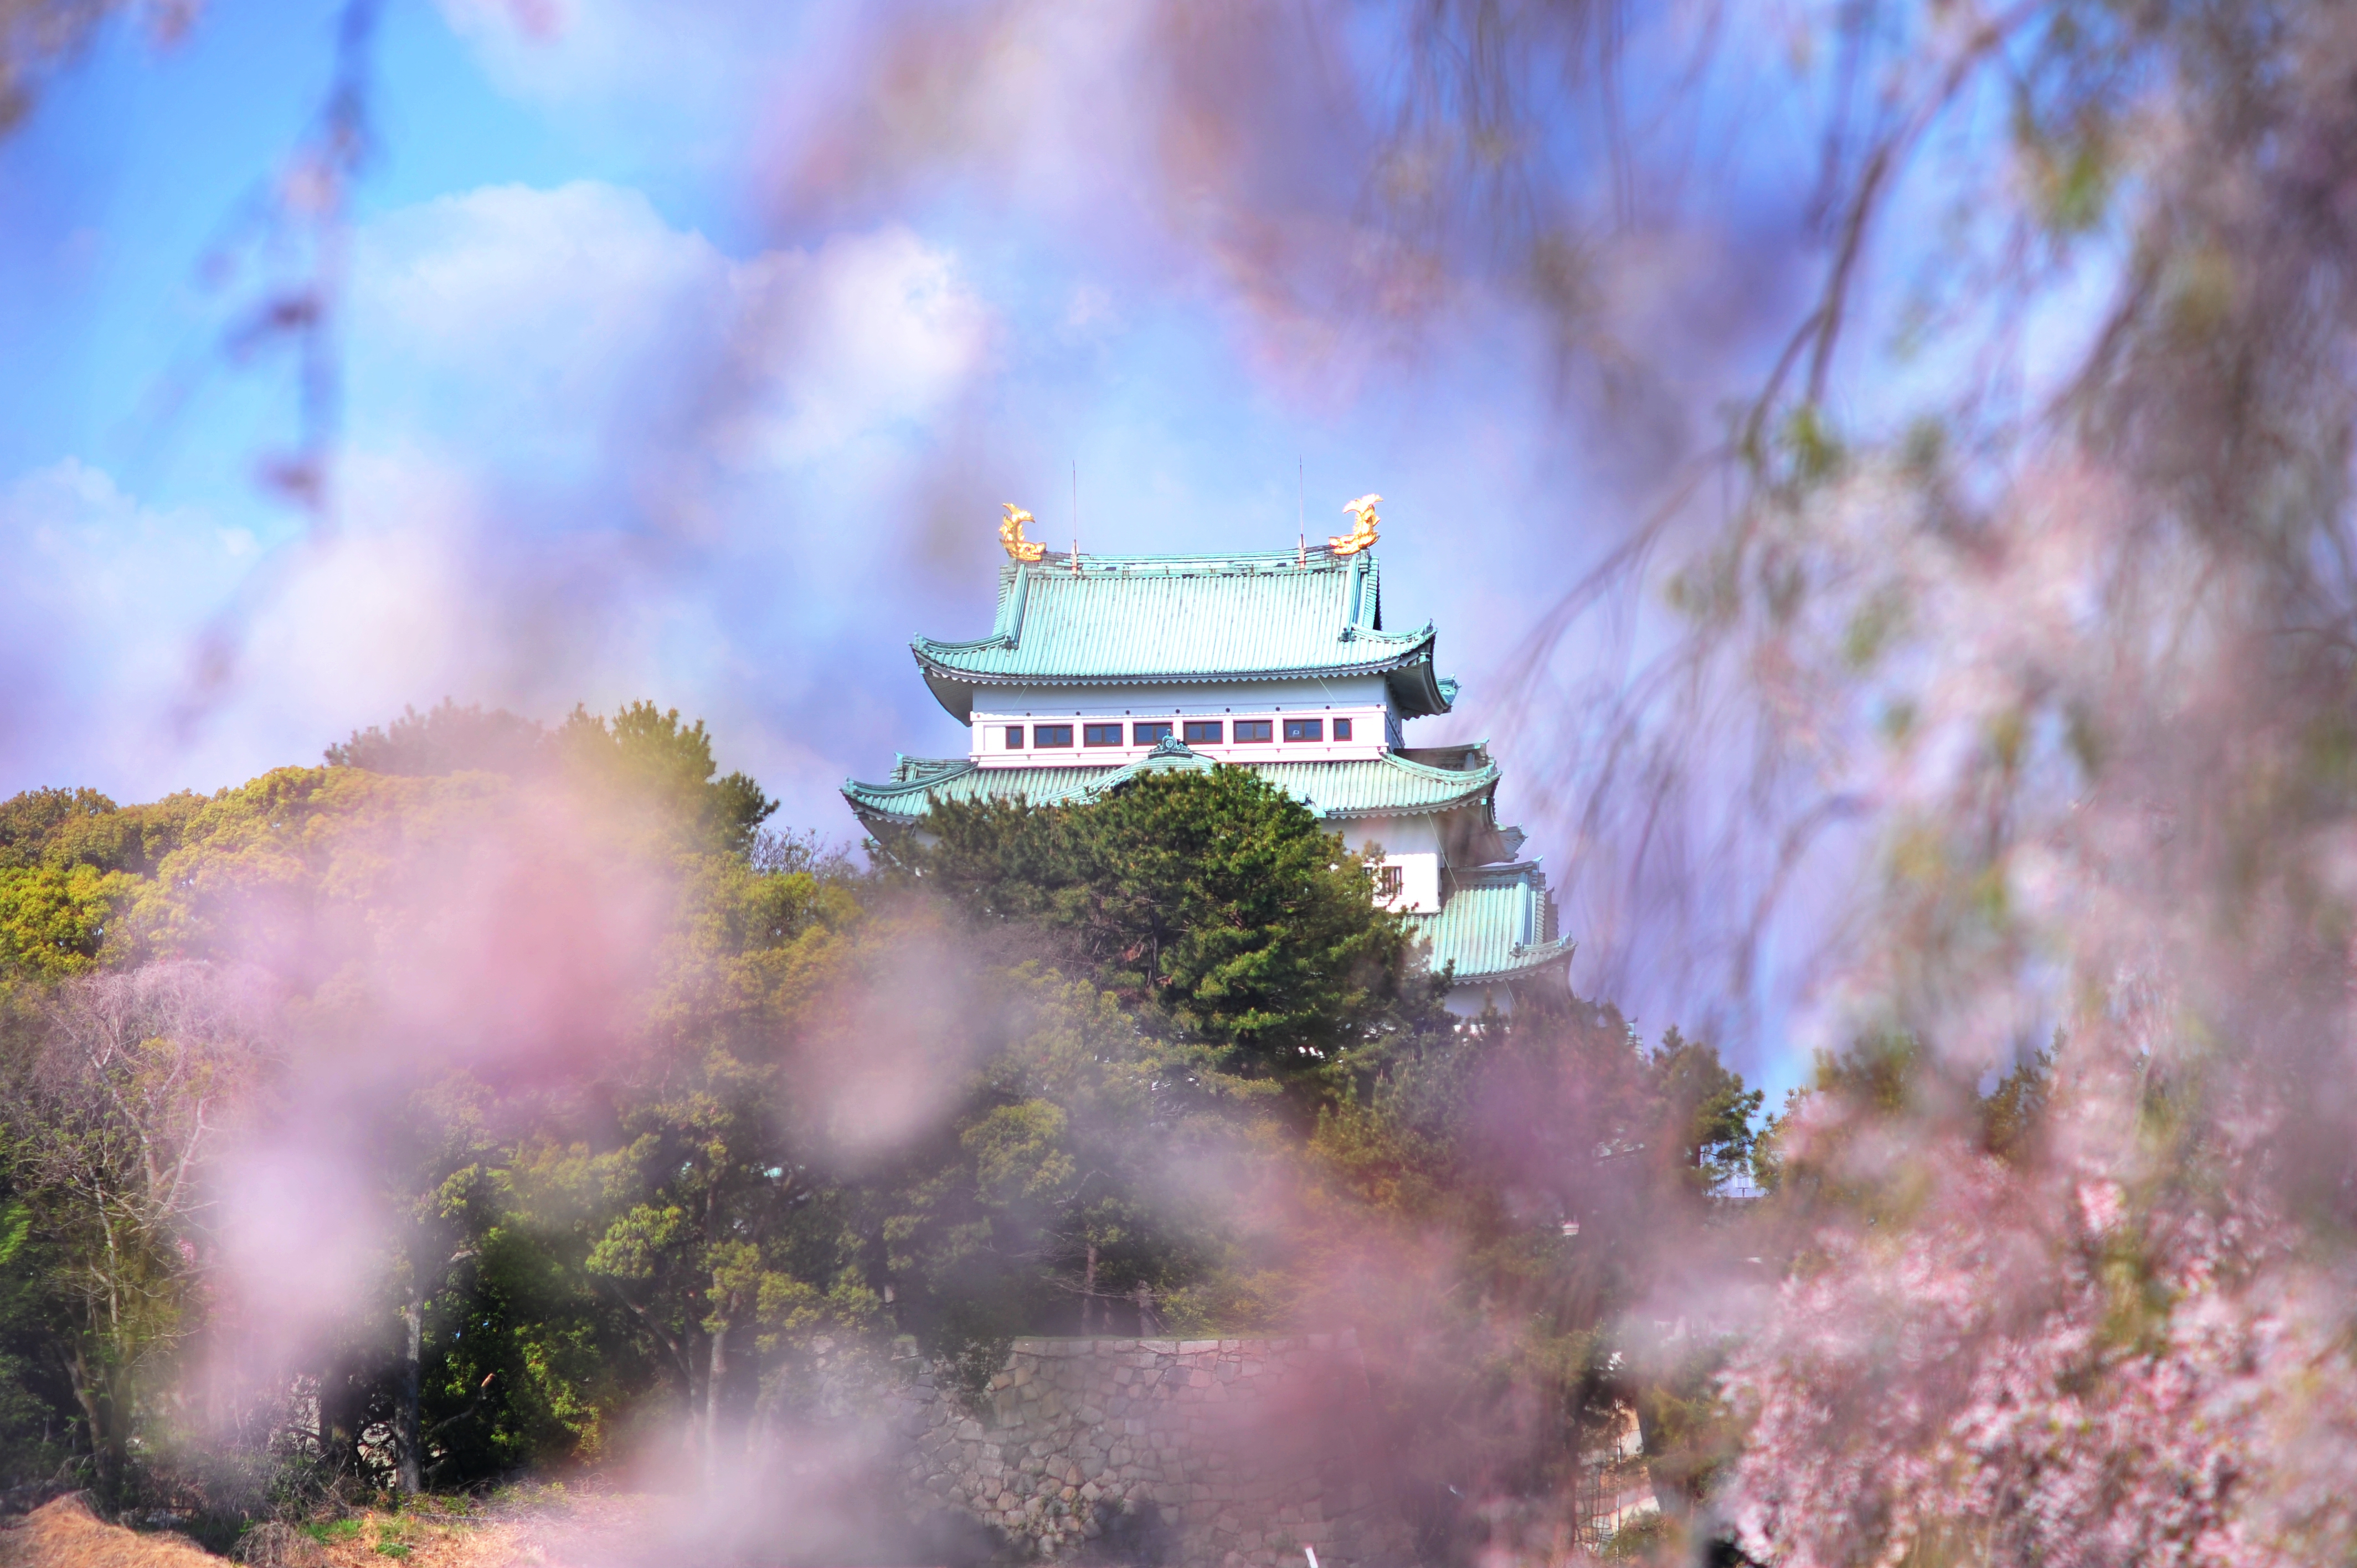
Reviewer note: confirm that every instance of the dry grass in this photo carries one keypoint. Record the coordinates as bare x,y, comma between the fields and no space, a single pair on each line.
66,1534
541,1527
422,1540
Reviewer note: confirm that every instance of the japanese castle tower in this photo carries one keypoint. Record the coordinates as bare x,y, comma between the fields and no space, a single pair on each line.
1100,668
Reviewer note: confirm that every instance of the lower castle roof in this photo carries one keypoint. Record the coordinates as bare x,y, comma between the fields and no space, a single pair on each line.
1497,922
1390,785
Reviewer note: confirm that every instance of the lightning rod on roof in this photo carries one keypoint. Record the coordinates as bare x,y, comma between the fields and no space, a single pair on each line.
1301,510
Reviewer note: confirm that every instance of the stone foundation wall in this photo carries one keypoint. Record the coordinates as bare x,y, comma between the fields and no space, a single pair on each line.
1196,1453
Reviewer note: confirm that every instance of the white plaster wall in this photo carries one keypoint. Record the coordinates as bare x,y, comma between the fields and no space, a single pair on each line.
1364,700
1417,835
1207,698
1419,891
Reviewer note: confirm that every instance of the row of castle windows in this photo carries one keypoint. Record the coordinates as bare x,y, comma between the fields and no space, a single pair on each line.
1198,732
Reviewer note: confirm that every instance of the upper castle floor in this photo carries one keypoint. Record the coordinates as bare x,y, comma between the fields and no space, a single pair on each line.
1276,651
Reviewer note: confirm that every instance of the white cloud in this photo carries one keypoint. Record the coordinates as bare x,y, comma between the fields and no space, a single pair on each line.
575,324
559,276
152,650
97,617
871,332
80,542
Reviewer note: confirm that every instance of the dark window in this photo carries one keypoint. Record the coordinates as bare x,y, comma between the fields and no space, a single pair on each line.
1341,729
1305,729
1051,734
1014,737
1100,734
1202,732
1147,734
1248,730
1390,880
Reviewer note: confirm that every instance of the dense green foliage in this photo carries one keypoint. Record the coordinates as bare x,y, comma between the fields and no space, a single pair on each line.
446,739
667,1126
644,744
1211,902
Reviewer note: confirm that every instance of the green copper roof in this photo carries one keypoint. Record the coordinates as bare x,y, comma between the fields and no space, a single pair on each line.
1496,923
1171,619
1386,786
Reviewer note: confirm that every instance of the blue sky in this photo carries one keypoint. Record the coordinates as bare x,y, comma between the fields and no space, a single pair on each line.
647,396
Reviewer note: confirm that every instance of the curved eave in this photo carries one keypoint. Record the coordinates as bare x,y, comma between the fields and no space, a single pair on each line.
881,820
906,805
1481,841
878,802
1472,836
1474,788
1525,962
1416,691
1469,801
953,691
